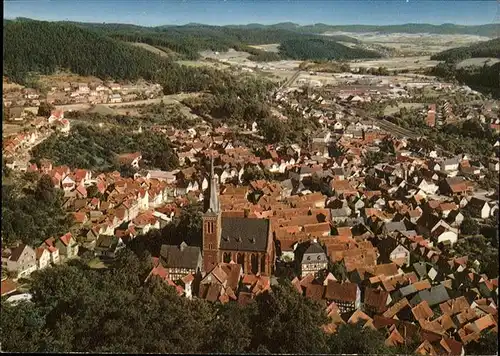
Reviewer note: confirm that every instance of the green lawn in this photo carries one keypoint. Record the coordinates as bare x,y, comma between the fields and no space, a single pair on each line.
97,264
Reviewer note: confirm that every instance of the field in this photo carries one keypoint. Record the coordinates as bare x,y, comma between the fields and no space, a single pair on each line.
415,44
397,63
478,62
273,47
151,49
10,86
391,110
103,110
96,263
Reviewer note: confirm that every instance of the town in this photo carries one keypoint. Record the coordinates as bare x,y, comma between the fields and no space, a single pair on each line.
372,242
179,178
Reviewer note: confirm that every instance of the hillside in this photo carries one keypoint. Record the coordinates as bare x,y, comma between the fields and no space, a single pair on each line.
44,47
189,40
482,49
41,47
322,49
490,30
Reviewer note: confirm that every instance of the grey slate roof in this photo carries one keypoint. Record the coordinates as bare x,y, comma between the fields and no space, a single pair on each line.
395,226
436,295
314,254
244,234
407,290
182,256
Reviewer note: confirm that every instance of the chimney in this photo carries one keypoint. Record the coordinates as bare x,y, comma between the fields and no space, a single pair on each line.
252,240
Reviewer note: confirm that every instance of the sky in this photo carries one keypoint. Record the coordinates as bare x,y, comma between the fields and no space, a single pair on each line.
225,12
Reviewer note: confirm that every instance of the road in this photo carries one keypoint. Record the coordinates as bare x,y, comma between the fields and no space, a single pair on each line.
290,81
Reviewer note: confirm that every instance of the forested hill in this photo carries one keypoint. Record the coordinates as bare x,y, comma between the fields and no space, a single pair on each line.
191,39
321,49
489,30
482,49
43,47
37,47
186,41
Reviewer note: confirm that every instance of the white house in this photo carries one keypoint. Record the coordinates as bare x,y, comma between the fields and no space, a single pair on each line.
254,127
479,208
42,257
443,232
494,165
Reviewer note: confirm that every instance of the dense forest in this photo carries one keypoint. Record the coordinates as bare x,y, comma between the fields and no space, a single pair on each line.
482,49
322,49
71,40
31,209
85,53
95,148
76,308
485,79
44,47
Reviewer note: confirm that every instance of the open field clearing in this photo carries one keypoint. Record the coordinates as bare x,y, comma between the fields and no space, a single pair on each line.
150,48
396,63
229,56
10,86
273,47
203,63
478,62
96,264
408,43
394,109
103,110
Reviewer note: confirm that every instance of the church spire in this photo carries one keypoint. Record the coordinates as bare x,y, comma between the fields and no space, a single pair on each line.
213,196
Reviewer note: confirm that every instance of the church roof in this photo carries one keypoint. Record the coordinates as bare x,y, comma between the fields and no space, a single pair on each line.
244,234
182,256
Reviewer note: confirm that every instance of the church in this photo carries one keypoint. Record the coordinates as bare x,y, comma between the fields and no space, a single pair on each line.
246,241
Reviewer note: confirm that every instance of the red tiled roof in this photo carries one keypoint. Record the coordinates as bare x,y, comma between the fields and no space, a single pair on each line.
376,299
422,311
66,238
345,292
8,286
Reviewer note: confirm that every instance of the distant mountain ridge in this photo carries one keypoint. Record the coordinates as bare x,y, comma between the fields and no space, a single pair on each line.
487,30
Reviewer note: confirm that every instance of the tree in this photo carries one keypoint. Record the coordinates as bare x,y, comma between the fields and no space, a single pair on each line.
45,190
486,345
273,130
45,109
22,327
469,226
253,173
230,331
354,339
338,270
292,319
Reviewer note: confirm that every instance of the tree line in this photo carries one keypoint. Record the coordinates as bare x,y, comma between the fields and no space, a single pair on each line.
482,49
77,308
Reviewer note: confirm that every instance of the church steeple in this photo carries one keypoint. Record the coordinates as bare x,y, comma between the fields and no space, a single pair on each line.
212,224
212,205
